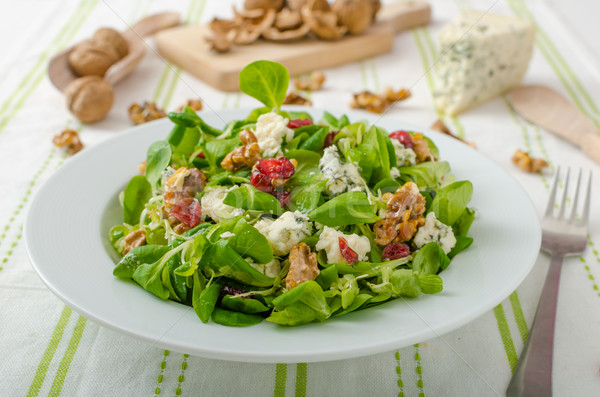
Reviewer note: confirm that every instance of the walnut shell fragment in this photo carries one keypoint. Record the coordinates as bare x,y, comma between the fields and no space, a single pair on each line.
250,29
324,24
356,15
89,98
275,34
287,19
263,4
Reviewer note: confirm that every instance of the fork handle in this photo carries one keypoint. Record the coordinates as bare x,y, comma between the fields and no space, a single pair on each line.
533,374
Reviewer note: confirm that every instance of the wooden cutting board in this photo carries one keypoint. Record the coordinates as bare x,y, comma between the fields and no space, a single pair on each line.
186,47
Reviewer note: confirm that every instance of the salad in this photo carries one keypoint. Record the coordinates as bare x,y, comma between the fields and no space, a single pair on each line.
288,218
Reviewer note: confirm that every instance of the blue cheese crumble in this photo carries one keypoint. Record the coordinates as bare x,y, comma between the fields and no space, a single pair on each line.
212,204
482,55
434,230
286,231
270,131
404,156
269,269
341,177
329,241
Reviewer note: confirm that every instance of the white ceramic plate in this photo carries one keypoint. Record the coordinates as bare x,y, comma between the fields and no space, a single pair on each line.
66,234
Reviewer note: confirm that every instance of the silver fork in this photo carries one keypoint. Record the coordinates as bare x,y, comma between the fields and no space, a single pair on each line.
562,235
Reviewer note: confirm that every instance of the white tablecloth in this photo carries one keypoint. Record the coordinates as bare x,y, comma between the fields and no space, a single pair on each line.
48,349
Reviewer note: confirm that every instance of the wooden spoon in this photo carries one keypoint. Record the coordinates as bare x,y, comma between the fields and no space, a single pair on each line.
60,72
549,109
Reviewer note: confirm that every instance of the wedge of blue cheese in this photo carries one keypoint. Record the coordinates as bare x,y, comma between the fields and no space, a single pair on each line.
481,55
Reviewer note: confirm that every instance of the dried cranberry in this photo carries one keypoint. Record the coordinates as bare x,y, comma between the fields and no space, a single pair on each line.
348,253
283,196
261,182
395,251
227,289
329,138
404,138
280,168
299,123
201,155
188,211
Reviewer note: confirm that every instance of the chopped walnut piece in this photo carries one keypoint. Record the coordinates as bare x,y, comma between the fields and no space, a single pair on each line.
379,103
370,102
245,155
69,139
421,148
194,104
395,96
183,183
134,239
527,163
312,82
140,114
294,99
387,196
403,215
303,266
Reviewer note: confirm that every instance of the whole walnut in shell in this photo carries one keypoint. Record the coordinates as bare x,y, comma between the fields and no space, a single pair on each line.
112,37
89,98
92,58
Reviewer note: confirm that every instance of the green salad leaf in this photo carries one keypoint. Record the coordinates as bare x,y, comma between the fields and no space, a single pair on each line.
266,81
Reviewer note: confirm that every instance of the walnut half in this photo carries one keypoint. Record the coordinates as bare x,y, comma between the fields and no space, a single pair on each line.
403,215
303,266
245,155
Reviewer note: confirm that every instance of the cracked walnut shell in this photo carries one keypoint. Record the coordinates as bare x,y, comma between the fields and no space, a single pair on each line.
356,15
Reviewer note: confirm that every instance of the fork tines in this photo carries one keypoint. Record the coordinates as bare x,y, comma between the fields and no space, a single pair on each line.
552,202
